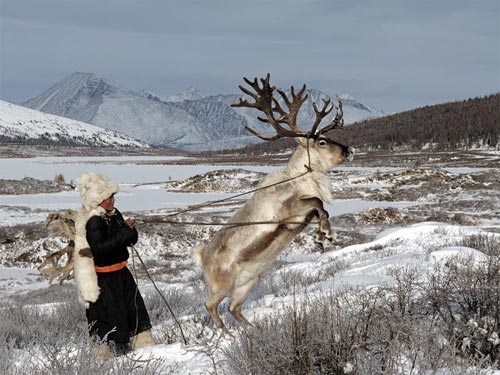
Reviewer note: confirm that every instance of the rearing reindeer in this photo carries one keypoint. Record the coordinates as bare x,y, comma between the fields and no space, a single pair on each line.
235,256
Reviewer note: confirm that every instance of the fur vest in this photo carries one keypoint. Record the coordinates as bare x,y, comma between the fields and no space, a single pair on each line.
84,268
94,188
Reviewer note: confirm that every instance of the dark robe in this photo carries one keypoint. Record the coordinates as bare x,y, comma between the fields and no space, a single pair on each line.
119,312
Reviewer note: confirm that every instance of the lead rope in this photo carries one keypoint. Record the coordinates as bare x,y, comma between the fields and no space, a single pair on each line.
134,251
136,313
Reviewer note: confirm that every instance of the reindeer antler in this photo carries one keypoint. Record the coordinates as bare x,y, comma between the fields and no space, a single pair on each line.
269,105
60,225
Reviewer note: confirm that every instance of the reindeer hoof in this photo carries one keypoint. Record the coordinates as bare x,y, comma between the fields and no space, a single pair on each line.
320,246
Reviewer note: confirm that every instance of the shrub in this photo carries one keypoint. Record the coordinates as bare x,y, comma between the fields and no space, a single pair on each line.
465,295
52,338
415,325
59,179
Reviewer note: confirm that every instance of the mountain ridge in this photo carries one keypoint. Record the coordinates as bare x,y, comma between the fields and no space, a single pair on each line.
188,120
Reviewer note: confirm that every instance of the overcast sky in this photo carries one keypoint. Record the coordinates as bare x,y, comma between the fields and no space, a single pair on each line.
391,55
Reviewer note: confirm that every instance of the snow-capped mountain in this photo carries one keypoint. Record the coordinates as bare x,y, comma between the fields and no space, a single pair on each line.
191,93
218,119
27,125
353,110
187,120
87,97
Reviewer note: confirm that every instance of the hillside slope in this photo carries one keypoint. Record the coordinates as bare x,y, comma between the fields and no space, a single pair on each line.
27,126
465,124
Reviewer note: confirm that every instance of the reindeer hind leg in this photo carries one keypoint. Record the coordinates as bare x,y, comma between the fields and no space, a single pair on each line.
240,294
212,303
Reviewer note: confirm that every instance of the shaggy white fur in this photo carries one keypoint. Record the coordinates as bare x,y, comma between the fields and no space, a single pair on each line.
84,267
94,188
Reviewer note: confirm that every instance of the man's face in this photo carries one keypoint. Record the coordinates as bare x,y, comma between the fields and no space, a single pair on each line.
109,203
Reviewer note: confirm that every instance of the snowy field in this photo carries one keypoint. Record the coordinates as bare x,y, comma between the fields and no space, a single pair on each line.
384,219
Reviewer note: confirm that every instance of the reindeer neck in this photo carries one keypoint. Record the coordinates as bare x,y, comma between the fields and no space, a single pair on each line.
299,161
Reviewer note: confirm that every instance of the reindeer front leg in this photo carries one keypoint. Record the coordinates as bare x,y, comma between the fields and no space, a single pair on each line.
310,208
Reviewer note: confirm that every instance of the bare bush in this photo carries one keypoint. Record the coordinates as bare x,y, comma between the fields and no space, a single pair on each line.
465,294
45,332
59,179
407,327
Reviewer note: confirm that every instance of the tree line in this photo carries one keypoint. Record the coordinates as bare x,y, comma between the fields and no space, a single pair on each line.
457,125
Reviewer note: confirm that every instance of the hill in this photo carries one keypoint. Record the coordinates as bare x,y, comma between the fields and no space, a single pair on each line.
465,124
29,127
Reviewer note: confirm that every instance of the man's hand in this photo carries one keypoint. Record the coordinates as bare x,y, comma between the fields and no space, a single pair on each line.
130,222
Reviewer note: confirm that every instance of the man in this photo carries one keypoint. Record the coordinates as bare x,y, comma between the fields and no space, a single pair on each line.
117,317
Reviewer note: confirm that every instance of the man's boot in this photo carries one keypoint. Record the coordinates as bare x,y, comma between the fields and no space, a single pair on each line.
100,351
142,339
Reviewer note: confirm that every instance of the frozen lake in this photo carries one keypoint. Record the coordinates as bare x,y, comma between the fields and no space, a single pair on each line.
122,169
127,171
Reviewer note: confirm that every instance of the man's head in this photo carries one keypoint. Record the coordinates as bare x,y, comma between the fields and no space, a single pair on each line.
95,189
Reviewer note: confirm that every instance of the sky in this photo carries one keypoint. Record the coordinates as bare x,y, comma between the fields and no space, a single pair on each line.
389,55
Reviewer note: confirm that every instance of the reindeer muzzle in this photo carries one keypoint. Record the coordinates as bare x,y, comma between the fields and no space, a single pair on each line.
350,154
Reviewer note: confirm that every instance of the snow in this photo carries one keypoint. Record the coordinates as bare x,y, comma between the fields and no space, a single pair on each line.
448,253
128,199
10,217
370,264
407,244
18,122
343,206
139,186
124,170
14,280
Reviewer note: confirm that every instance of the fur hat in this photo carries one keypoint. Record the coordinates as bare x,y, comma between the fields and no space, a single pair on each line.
94,188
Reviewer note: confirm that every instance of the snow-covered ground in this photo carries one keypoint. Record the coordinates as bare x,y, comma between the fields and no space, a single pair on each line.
366,248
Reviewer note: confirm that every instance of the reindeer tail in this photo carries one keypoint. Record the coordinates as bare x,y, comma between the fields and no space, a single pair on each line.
197,254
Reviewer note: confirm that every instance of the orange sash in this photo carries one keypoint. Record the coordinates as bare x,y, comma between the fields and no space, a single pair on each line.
111,267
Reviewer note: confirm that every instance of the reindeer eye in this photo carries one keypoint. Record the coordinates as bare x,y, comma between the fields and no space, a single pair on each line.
322,142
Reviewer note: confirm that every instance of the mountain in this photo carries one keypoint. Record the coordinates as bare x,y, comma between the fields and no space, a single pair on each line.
191,93
188,120
353,110
218,119
23,125
87,97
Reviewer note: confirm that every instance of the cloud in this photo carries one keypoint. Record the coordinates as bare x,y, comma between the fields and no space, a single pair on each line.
393,55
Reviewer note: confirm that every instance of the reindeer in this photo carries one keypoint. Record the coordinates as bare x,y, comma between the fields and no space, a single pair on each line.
287,201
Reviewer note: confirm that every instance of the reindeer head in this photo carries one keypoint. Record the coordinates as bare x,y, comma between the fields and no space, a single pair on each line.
322,152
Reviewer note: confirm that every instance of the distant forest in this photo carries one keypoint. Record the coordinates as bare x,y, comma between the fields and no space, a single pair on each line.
458,125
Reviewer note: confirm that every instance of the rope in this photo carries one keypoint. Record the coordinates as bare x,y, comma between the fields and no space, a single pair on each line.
231,225
211,203
198,206
134,251
136,313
